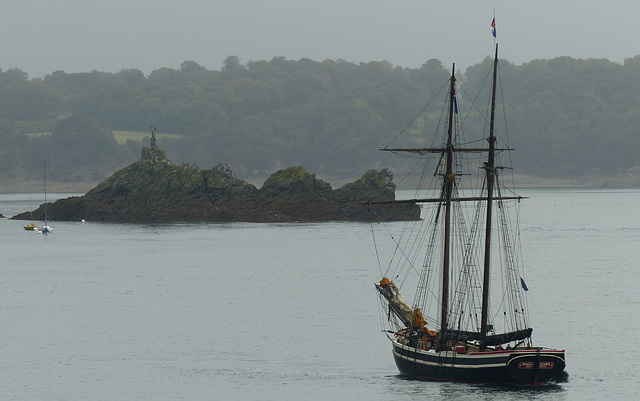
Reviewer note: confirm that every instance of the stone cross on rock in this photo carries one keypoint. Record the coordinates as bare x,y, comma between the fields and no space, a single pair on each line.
153,136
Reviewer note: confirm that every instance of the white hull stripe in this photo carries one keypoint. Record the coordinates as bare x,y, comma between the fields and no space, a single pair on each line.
448,365
469,361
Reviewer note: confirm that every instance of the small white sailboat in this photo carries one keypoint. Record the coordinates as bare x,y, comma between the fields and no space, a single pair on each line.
46,228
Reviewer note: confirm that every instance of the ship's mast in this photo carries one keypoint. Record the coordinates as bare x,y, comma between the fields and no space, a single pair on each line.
490,169
447,186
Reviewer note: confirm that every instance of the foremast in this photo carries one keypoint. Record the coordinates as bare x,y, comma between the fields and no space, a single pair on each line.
447,185
446,199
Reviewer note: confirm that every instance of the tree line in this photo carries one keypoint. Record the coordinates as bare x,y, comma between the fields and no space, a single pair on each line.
567,117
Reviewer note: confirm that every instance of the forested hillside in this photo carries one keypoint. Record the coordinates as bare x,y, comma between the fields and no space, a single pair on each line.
567,117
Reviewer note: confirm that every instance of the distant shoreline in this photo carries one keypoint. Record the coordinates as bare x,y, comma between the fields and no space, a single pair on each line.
17,187
522,181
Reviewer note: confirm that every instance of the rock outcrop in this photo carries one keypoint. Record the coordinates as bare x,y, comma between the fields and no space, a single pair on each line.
156,190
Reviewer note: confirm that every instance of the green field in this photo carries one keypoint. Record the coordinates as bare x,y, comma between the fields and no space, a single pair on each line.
139,136
123,136
36,134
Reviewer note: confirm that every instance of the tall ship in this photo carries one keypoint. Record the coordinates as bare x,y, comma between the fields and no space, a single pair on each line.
468,320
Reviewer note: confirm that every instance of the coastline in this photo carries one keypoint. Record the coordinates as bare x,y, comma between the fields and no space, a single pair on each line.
21,186
630,182
521,181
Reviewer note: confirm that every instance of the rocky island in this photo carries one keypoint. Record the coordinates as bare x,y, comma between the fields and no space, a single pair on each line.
156,190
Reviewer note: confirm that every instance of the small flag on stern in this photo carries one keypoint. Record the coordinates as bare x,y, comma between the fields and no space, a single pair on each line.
524,286
493,25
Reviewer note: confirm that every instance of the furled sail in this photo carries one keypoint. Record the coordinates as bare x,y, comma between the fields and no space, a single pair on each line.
496,339
396,301
409,316
504,338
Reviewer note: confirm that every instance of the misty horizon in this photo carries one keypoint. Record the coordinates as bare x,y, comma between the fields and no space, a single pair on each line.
76,36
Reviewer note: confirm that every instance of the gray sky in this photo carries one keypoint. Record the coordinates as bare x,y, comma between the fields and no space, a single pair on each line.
43,36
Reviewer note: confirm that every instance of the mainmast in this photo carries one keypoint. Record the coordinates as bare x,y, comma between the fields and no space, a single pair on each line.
447,187
490,169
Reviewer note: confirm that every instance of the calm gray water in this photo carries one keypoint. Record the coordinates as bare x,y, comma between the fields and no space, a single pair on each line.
288,311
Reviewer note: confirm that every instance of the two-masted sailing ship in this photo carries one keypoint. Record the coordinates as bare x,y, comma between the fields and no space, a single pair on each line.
466,322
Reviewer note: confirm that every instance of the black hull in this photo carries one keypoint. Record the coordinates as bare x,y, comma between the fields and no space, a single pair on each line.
528,366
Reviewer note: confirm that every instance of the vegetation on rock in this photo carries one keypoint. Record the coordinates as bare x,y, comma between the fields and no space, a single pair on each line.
294,183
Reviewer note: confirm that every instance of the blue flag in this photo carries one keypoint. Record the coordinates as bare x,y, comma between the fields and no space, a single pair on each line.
455,100
524,286
493,25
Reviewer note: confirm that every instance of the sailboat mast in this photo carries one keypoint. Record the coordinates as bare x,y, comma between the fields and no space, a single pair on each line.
44,173
448,191
46,207
490,169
